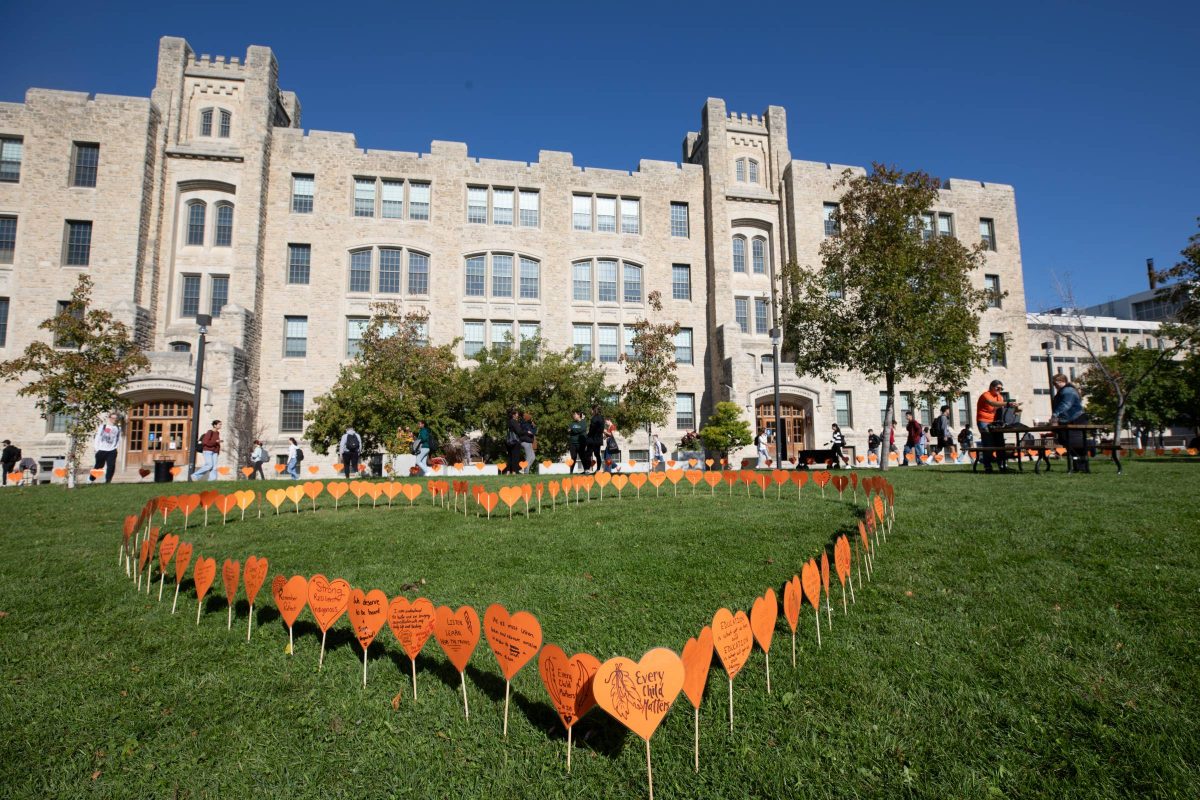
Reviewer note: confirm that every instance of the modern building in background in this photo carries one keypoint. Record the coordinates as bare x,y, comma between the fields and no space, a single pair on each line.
208,197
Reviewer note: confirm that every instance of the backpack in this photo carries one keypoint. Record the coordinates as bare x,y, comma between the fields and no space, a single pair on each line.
353,444
433,442
299,455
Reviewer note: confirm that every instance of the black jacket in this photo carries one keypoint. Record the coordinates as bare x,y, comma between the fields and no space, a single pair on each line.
10,454
528,432
595,434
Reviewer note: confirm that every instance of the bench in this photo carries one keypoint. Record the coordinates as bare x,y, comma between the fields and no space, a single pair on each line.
1043,449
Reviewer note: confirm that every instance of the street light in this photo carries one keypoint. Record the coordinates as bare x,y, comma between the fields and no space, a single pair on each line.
780,438
203,320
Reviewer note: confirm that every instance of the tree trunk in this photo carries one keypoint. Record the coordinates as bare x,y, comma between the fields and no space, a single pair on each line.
1117,423
885,446
72,459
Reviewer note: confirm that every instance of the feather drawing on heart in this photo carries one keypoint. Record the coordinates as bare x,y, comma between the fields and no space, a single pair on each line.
625,696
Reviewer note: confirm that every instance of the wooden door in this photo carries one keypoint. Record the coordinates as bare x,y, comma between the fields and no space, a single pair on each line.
794,424
158,429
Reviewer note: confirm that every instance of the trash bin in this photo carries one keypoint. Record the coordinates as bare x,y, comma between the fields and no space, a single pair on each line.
162,471
375,460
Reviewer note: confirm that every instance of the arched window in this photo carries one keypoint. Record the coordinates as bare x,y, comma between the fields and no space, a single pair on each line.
739,254
206,119
758,254
753,170
223,129
195,223
223,235
739,170
181,347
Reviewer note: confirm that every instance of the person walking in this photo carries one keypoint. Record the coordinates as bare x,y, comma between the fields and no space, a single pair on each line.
512,443
9,457
658,455
989,403
760,448
105,444
258,457
528,441
913,442
294,457
966,439
837,441
873,442
592,461
423,445
612,449
576,436
210,445
944,432
349,449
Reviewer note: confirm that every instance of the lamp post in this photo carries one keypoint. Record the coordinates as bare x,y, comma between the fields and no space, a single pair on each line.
780,438
203,320
1049,348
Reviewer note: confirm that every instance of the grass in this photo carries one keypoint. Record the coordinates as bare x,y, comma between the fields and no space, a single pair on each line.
1025,636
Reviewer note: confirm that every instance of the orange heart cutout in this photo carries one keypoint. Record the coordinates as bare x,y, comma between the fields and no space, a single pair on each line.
938,457
526,492
656,478
222,471
60,472
337,490
280,468
96,474
671,464
253,576
825,571
810,579
674,475
637,479
763,614
510,495
619,482
204,572
878,505
697,659
411,623
514,639
230,574
368,610
692,462
337,467
693,476
546,464
225,503
188,503
639,694
780,476
312,489
712,478
841,559
708,462
410,490
568,681
275,497
488,500
391,489
245,498
291,595
858,459
632,462
603,479
374,489
732,639
791,602
522,463
295,493
183,555
327,600
552,486
247,471
313,469
143,555
479,465
166,549
457,633
207,498
730,477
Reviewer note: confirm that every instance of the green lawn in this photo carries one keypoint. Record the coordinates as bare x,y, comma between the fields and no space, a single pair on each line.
1025,636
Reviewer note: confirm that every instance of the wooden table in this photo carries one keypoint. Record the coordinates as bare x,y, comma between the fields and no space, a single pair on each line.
1018,431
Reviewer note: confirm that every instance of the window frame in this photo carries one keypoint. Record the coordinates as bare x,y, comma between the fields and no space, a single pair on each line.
293,265
689,348
90,172
8,172
220,240
186,280
289,412
987,233
8,254
299,199
844,417
758,255
738,259
195,232
214,295
680,223
675,284
71,246
290,347
690,397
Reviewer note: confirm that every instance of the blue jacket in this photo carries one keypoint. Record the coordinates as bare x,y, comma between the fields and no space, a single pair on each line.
1068,405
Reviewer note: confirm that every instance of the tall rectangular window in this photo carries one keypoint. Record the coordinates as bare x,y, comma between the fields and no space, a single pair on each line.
679,220
606,214
739,254
223,231
502,335
502,206
581,212
302,193
360,271
883,401
530,208
299,263
530,279
999,356
11,149
631,344
393,200
987,233
681,282
477,205
529,331
223,124
291,410
581,338
683,346
389,270
196,211
79,243
607,343
418,201
964,410
830,214
220,294
926,413
476,276
502,275
581,281
631,215
762,324
295,337
85,161
472,338
908,402
3,321
741,313
758,255
685,411
606,281
189,305
418,273
354,333
364,197
8,239
633,283
841,409
926,227
945,225
991,284
1103,344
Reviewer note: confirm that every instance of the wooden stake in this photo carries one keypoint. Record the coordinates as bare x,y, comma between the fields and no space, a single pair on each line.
229,618
793,649
161,578
176,600
466,708
851,582
828,610
506,687
250,622
291,642
845,608
414,676
768,655
697,764
649,771
731,705
569,749
321,660
364,667
818,619
199,605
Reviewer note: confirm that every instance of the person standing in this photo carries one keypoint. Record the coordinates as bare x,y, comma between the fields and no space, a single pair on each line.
423,444
210,445
913,443
837,441
294,457
612,449
259,457
9,457
349,449
760,448
595,440
512,443
944,431
528,440
658,454
986,407
873,442
576,434
105,444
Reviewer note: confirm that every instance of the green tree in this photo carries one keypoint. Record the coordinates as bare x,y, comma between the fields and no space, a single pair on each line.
1156,395
396,379
725,429
1184,294
647,397
891,299
1187,411
81,371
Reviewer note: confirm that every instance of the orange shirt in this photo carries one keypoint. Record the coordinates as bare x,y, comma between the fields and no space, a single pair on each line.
984,410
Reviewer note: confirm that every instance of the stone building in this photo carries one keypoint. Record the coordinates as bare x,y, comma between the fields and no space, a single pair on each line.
209,196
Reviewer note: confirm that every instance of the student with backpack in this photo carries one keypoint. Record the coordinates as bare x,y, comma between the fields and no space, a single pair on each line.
259,457
349,449
8,459
423,445
295,456
944,431
210,445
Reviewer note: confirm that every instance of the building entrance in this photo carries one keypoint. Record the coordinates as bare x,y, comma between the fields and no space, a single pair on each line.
158,429
794,423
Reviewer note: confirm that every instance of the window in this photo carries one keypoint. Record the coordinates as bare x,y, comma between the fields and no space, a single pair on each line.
223,128
909,404
926,227
302,193
189,305
581,281
472,338
389,270
360,271
195,222
295,337
64,307
883,401
991,284
964,409
683,346
291,410
685,411
85,160
57,423
502,275
925,412
606,281
206,122
354,333
739,254
582,339
392,197
679,220
364,197
223,235
841,409
945,225
529,331
768,364
1072,373
987,233
607,343
1070,343
299,263
421,333
530,208
418,273
530,279
181,347
502,335
476,277
79,243
631,215
762,324
11,149
631,346
418,201
741,312
606,214
681,282
3,321
220,294
758,254
752,170
1103,344
739,170
998,355
581,212
8,239
832,225
477,205
502,206
633,283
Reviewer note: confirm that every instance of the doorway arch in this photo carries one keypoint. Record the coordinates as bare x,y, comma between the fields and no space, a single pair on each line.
796,417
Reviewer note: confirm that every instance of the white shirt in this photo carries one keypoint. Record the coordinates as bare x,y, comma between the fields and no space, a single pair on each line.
107,437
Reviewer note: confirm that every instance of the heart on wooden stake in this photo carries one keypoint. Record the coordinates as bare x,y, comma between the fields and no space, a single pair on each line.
368,610
638,694
183,556
247,471
514,639
327,600
253,576
510,495
204,573
225,503
763,614
166,549
291,595
810,580
791,602
411,623
697,659
732,639
457,633
568,681
841,558
488,500
295,493
230,574
410,490
60,472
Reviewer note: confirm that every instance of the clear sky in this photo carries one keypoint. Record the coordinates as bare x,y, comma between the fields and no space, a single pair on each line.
1090,109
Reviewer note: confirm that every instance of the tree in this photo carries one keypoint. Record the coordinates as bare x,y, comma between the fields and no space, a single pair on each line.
81,371
396,379
1188,407
891,299
650,374
725,429
1155,401
1184,295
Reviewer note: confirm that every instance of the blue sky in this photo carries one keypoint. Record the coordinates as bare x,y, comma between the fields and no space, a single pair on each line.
1091,110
